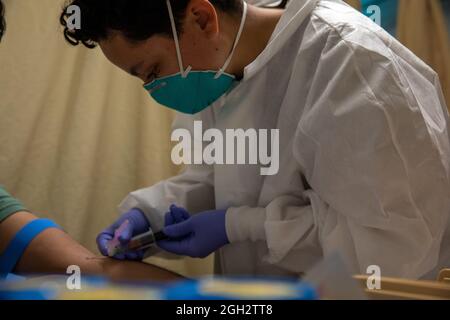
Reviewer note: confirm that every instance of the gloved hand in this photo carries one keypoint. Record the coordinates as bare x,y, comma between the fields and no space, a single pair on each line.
194,236
137,224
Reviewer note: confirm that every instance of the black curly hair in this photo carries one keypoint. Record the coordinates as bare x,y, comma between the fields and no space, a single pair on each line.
2,20
138,20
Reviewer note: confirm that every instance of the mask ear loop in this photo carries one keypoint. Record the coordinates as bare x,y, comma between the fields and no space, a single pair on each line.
184,73
236,41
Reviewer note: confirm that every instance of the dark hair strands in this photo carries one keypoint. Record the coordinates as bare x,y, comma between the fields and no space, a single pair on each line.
138,20
75,38
2,20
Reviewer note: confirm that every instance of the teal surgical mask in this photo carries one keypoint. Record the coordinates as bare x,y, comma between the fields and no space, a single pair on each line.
193,91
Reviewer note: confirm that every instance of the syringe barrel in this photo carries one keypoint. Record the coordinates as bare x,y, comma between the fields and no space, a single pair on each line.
143,240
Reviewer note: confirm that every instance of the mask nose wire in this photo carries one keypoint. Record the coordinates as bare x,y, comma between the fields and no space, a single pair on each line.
236,41
183,72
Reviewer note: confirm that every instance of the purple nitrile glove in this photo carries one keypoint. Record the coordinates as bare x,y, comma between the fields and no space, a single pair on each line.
137,224
195,236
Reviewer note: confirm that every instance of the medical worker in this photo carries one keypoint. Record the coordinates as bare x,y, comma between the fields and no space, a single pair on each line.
364,143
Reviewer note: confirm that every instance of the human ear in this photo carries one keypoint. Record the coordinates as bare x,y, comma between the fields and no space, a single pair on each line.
202,15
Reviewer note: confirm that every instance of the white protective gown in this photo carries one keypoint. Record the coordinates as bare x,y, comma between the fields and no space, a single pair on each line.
364,154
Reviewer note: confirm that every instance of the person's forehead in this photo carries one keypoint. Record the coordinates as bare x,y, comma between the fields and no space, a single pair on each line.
118,46
119,51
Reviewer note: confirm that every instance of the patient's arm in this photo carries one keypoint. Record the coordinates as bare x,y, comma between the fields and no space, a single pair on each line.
53,251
